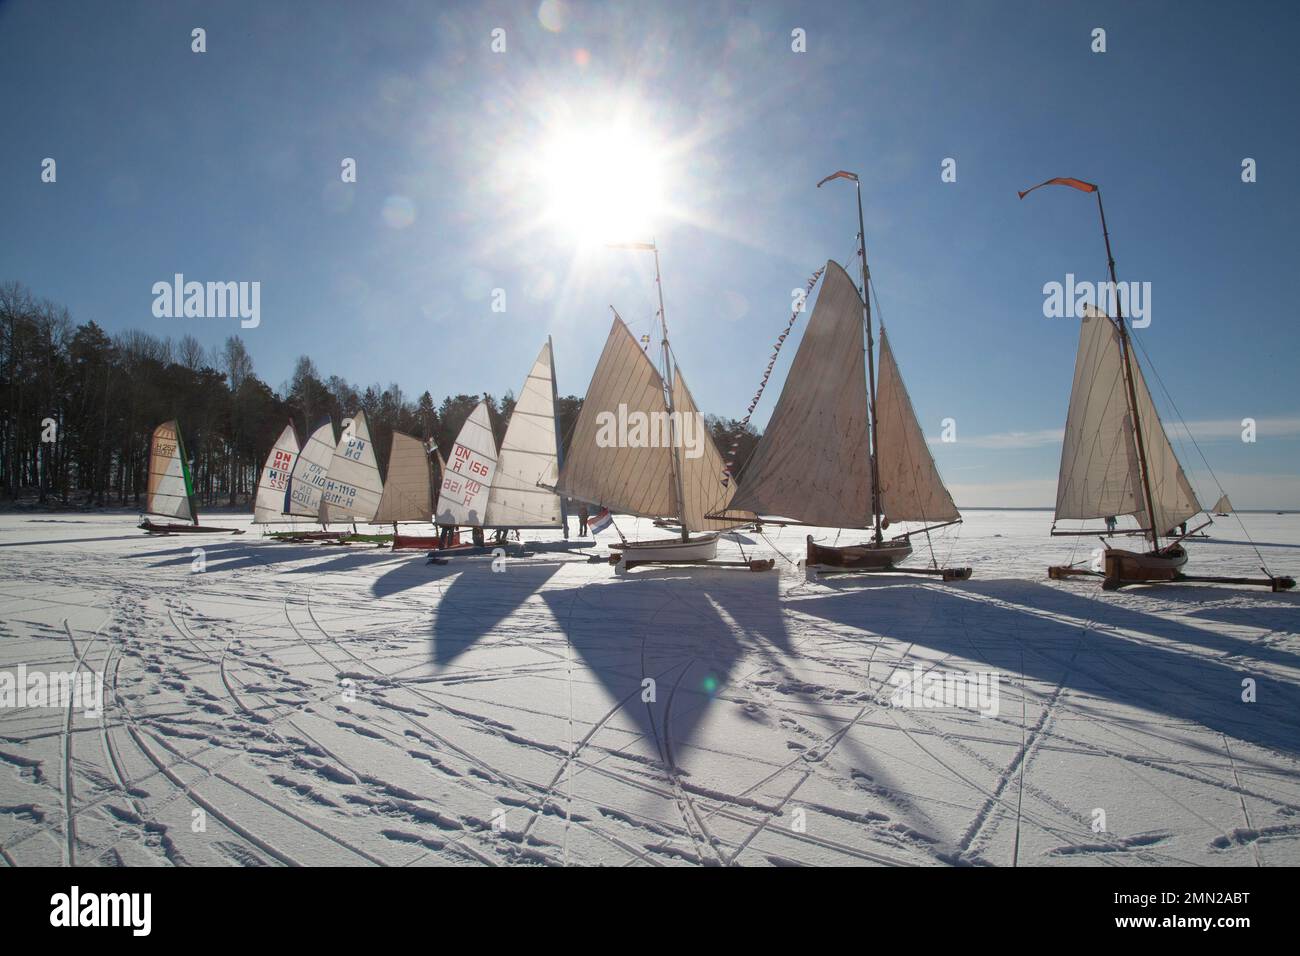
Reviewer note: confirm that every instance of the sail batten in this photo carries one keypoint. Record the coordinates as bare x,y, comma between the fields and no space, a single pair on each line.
529,456
268,507
170,491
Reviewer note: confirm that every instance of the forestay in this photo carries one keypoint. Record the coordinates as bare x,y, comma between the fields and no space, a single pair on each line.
467,478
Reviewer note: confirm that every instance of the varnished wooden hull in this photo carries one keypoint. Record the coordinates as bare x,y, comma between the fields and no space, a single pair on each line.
1135,567
868,556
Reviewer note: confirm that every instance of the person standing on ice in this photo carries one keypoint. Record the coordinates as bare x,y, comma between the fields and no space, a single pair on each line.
582,520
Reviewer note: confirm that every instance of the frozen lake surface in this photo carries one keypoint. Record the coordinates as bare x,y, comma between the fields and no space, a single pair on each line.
309,704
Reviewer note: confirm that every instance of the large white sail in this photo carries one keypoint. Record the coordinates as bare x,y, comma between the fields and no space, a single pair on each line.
408,492
910,486
1172,496
704,486
612,460
812,463
268,506
307,483
463,496
169,491
353,486
529,456
1100,474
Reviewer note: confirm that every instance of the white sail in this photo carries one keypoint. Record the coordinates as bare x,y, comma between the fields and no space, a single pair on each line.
408,492
812,463
910,486
169,492
1223,506
613,458
307,483
529,456
704,486
463,496
1100,474
1173,499
353,486
268,506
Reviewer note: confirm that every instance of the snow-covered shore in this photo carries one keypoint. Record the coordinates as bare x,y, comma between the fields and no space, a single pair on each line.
313,704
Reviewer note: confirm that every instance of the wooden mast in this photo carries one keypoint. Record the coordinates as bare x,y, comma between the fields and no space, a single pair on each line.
871,360
1126,349
559,437
668,397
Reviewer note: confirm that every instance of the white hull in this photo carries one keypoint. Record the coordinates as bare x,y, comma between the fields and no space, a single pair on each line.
701,548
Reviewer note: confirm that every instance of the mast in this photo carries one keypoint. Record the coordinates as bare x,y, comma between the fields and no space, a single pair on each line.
559,438
669,375
1126,350
871,360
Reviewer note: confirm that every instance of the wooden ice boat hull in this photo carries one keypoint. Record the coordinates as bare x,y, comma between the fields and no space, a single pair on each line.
148,527
422,542
1136,567
868,556
299,536
668,550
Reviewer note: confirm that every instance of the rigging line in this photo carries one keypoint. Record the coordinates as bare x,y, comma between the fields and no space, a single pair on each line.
1182,421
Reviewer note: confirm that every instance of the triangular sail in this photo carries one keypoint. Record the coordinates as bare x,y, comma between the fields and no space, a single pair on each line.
812,463
353,486
1223,506
268,506
529,456
616,456
704,486
170,492
462,499
910,486
1171,492
408,492
307,483
1100,475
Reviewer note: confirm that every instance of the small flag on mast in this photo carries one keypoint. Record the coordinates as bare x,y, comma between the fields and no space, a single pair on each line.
1078,184
842,174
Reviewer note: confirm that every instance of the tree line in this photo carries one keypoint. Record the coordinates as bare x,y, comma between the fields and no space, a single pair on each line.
80,405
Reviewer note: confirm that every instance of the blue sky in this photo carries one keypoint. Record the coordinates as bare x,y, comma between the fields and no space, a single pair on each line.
225,166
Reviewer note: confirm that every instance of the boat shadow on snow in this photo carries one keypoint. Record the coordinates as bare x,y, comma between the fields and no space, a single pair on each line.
1056,637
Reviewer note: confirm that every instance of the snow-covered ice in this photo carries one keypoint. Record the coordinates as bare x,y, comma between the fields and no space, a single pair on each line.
309,704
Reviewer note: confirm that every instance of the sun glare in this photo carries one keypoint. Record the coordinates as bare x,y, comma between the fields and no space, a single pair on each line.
603,184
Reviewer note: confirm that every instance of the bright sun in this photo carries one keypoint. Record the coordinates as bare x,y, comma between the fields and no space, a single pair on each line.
604,184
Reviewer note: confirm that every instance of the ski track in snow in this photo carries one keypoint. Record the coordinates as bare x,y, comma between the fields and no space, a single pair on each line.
314,704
